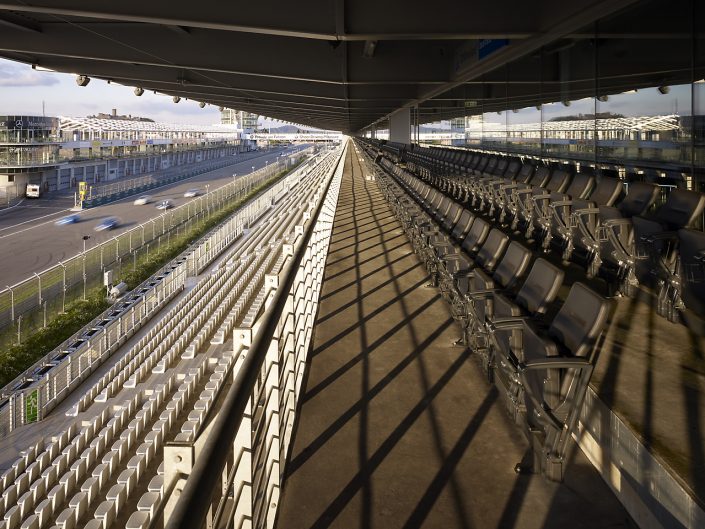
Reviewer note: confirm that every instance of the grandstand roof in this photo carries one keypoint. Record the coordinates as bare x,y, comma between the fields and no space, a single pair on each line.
330,64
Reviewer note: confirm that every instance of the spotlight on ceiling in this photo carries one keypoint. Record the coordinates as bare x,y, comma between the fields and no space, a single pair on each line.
603,98
221,109
139,91
664,89
201,104
176,99
82,80
566,103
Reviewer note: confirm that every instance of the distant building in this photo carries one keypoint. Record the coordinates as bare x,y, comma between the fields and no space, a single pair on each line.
245,120
56,152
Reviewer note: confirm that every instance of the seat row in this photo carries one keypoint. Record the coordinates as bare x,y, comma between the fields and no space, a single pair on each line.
86,474
540,359
629,234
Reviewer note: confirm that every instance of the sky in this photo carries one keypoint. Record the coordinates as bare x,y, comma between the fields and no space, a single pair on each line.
22,91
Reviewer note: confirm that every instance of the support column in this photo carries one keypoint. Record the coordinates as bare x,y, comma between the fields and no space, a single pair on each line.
400,126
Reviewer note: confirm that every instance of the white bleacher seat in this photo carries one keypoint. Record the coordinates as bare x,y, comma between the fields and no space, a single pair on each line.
68,482
94,524
102,472
56,495
38,490
44,512
117,494
31,522
129,479
79,504
22,484
25,503
137,462
138,520
156,484
106,513
66,519
149,502
90,487
13,517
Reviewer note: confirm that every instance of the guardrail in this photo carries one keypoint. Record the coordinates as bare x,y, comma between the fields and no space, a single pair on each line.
28,305
40,388
230,474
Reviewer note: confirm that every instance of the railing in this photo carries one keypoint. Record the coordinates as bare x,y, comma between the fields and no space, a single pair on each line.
28,305
230,474
53,377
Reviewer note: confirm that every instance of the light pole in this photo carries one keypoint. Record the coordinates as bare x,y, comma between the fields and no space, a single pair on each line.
85,238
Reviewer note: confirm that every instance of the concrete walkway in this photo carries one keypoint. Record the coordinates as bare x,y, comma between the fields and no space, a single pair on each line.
397,427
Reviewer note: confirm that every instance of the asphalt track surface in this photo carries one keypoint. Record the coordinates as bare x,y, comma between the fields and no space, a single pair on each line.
30,242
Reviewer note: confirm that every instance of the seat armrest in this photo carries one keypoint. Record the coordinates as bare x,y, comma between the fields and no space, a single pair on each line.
586,211
555,362
662,236
617,222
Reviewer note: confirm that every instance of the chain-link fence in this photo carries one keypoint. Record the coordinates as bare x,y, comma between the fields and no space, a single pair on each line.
30,304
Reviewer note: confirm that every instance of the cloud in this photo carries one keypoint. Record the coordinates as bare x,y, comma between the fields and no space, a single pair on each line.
23,75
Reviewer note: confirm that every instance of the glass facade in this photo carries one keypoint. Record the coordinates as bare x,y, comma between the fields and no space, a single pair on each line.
27,141
599,98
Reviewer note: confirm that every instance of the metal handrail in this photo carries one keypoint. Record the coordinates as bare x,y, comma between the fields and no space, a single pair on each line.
193,505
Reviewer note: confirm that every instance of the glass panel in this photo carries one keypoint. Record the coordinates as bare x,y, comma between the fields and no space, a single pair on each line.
649,124
524,130
569,128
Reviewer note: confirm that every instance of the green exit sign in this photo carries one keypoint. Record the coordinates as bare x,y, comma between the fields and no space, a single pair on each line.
31,407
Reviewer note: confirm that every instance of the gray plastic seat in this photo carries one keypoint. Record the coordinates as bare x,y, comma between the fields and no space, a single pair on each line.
649,247
545,374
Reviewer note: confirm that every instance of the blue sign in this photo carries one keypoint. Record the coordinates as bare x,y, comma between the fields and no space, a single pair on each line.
488,46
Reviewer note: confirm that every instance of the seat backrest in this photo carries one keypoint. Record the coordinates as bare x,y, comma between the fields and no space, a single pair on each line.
640,197
581,186
558,182
492,249
482,164
490,167
541,176
513,265
501,167
452,215
513,168
525,173
462,227
691,248
580,320
477,235
607,191
681,209
540,288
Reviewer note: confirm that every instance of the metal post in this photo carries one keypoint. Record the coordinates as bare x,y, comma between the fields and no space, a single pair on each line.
85,238
39,284
63,288
12,303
